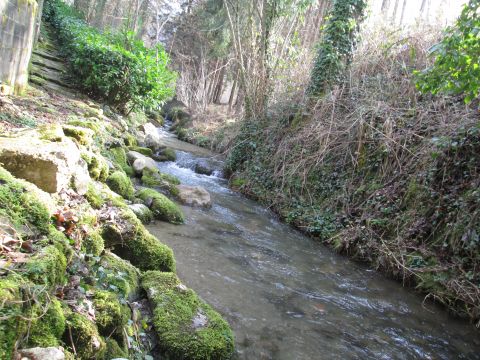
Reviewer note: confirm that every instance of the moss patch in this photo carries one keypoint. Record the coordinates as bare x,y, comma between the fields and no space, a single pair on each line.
166,155
97,166
21,206
110,314
130,140
94,197
11,326
114,351
47,329
93,243
119,159
47,267
119,275
153,177
121,184
162,207
86,339
82,135
142,150
131,241
187,327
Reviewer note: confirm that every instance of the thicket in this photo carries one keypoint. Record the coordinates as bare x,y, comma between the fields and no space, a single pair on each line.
114,67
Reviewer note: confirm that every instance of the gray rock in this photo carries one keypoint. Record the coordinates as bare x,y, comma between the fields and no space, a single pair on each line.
52,166
203,168
49,353
194,196
143,213
140,162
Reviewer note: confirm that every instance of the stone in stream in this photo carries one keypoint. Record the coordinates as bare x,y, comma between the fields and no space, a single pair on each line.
194,196
51,165
140,162
203,169
142,212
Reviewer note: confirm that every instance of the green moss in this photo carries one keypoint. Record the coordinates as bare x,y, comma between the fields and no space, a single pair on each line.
119,275
187,327
114,351
153,177
20,205
238,182
143,213
47,267
142,150
82,135
93,243
130,140
51,132
47,329
110,314
97,166
121,184
119,158
167,155
87,342
162,207
89,124
134,243
94,197
11,326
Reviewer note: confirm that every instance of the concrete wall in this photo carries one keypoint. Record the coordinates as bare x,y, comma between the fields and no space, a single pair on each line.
17,32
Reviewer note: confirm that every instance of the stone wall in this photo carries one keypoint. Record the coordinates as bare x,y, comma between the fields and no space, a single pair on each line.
17,32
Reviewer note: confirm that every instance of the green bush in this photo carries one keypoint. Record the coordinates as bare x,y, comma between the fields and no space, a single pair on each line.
456,69
116,68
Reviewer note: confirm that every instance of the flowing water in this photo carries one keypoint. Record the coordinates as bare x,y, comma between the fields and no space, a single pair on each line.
287,296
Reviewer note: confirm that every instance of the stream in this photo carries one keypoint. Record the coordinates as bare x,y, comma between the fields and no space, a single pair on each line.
288,297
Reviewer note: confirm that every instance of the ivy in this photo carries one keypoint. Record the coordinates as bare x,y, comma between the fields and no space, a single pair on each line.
456,69
336,47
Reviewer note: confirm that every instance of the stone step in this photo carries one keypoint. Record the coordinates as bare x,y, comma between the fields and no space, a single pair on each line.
50,64
52,87
53,56
50,75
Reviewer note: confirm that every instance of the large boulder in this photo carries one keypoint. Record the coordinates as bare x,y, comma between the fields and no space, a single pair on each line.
50,165
194,196
140,162
152,137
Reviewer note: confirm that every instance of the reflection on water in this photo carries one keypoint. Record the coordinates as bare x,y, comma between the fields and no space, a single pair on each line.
288,297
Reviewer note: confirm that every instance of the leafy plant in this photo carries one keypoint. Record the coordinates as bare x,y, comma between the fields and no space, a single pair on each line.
336,47
115,67
456,69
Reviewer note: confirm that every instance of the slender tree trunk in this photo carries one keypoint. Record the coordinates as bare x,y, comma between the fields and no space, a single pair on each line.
403,11
218,89
232,93
394,16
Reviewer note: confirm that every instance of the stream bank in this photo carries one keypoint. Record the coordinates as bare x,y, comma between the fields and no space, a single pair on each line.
289,297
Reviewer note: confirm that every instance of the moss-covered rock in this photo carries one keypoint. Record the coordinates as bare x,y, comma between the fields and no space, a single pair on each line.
187,327
47,267
114,351
142,212
94,196
142,150
120,275
82,135
21,206
87,342
110,314
51,132
162,207
46,329
121,184
119,159
167,182
130,140
166,154
93,243
97,166
131,241
11,326
89,124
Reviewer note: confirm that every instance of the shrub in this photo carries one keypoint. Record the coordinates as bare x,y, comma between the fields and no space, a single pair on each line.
117,68
456,69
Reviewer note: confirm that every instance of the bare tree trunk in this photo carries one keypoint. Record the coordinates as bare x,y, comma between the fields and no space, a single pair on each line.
232,93
218,88
403,11
394,15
